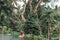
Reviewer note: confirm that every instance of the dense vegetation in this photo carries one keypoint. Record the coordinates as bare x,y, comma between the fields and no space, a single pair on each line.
33,19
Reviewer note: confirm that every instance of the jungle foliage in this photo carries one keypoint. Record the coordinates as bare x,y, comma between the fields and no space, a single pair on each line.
33,19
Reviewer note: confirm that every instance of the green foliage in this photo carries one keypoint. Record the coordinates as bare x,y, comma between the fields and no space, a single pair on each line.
36,25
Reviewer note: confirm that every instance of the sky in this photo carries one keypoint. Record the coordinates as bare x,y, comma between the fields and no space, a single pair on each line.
51,4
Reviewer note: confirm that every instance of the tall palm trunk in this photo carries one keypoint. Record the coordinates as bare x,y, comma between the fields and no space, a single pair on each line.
0,15
48,31
59,31
40,30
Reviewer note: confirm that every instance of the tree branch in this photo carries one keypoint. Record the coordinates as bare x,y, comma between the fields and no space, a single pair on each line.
37,5
31,8
22,13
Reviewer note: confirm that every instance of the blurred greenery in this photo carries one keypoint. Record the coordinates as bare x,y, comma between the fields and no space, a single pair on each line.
36,25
